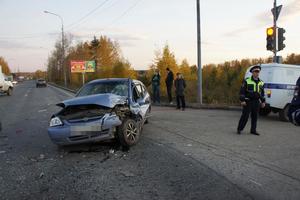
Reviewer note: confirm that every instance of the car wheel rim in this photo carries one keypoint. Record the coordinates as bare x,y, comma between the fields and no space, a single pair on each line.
131,132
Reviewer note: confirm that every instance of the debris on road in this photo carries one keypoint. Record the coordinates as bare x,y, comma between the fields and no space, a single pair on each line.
127,174
41,175
111,151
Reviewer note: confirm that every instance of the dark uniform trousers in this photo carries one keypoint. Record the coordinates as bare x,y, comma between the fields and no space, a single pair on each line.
253,108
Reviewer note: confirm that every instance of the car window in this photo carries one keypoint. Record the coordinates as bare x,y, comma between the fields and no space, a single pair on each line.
113,87
140,90
135,94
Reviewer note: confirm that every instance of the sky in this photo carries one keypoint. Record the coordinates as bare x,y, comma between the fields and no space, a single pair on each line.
232,29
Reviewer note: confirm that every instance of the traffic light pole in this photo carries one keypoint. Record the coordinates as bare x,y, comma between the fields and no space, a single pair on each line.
275,31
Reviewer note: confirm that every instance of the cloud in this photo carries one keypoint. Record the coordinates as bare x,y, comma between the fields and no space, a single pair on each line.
291,10
13,45
124,38
264,19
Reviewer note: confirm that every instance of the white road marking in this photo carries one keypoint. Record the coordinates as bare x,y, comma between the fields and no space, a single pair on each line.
255,182
44,110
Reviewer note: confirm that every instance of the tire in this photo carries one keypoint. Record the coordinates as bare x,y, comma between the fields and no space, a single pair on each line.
9,92
283,114
264,111
128,133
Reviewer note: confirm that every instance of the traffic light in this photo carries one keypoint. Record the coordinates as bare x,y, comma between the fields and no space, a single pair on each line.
271,39
281,39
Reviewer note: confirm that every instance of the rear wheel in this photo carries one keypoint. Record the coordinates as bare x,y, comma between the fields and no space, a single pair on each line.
264,111
129,133
9,92
283,114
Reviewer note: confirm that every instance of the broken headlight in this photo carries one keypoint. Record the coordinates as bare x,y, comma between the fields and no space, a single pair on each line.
55,121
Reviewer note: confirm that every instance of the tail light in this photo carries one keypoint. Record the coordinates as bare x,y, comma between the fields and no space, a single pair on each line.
269,93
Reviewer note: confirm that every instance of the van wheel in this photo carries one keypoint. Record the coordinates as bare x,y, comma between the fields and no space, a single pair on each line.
264,111
283,114
129,133
9,92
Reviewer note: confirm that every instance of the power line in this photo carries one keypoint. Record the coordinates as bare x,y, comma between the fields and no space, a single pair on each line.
122,15
41,35
85,16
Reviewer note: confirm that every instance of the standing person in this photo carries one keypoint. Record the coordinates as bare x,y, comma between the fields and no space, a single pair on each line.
251,96
294,110
179,90
169,84
155,86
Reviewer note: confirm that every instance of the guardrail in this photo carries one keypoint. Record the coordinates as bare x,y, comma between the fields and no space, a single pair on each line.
61,87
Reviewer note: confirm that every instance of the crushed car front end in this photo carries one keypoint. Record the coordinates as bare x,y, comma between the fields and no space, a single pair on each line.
83,121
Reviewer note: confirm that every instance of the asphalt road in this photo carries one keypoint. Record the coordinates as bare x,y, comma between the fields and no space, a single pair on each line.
193,154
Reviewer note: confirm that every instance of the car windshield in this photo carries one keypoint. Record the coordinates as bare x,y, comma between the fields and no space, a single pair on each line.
112,87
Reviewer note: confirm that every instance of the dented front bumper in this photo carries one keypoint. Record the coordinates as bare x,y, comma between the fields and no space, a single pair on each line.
85,130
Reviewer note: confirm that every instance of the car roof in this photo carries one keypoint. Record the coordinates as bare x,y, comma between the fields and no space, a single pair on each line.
112,80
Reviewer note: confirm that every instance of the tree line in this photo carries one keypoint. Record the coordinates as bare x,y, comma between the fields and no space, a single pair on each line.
106,53
5,67
221,82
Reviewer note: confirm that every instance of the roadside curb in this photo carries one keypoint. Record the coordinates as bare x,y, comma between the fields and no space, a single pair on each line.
61,87
203,106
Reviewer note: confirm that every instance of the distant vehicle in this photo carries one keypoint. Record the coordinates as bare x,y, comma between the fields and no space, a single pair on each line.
103,109
41,83
5,85
279,87
14,82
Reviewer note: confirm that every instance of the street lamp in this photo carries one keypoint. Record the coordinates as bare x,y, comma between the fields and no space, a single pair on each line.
62,43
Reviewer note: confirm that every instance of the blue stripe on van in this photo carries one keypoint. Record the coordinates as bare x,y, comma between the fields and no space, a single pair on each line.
279,86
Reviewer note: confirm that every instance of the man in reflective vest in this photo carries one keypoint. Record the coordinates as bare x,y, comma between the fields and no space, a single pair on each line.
251,97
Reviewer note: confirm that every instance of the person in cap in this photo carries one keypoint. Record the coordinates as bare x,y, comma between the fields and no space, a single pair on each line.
294,110
251,97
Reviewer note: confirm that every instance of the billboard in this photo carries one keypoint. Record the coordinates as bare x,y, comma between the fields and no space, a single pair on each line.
83,66
90,66
77,66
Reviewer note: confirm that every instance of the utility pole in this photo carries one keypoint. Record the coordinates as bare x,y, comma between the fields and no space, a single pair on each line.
199,54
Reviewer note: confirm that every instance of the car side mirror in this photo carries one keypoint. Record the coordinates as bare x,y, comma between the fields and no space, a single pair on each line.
140,101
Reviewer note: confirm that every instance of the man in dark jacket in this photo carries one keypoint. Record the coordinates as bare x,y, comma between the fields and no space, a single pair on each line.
169,84
251,97
156,87
179,90
294,110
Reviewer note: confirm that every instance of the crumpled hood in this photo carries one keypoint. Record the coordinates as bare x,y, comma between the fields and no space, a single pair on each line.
106,100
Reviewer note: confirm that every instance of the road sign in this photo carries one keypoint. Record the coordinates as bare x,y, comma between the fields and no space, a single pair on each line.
278,9
90,66
77,66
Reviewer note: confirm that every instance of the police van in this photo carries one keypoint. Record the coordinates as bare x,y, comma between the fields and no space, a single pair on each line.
280,82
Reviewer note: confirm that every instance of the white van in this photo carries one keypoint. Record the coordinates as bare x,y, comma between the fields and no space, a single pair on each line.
5,85
280,82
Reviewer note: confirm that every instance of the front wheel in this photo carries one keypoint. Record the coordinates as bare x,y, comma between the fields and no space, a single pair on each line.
283,114
9,92
129,133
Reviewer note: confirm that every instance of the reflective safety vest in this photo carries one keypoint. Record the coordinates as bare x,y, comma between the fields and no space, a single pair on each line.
252,86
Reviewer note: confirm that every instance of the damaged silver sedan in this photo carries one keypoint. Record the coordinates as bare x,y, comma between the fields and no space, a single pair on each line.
103,109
